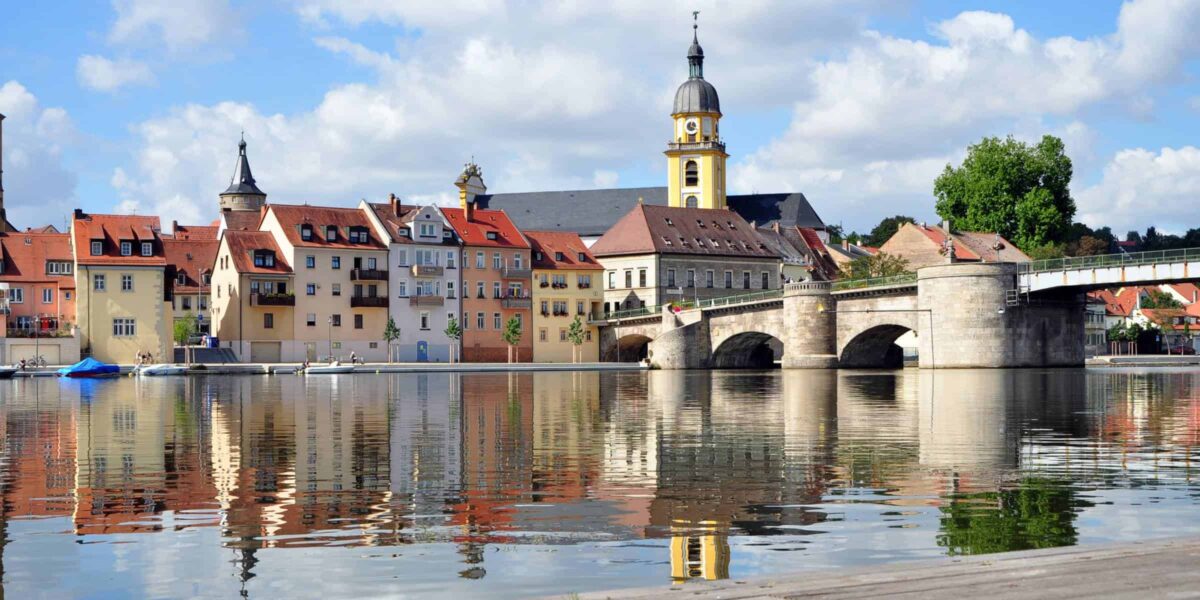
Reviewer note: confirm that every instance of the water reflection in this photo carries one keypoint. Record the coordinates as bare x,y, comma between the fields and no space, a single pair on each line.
507,484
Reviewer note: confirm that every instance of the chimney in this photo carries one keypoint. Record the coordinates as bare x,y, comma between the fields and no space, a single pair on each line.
79,214
845,244
395,202
946,225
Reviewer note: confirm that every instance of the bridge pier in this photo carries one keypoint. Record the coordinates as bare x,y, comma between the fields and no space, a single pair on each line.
810,330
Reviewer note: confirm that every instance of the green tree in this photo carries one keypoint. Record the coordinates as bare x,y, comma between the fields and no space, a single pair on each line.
1160,299
512,337
878,265
1039,513
576,335
886,229
453,333
183,329
1087,246
1020,191
391,333
1046,251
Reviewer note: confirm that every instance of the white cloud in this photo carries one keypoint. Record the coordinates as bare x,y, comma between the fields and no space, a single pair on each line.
104,75
1140,186
39,188
174,25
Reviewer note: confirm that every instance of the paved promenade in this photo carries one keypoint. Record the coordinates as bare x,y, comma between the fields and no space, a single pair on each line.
291,368
1153,569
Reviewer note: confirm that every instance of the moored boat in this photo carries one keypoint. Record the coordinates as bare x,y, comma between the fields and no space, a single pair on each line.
332,368
161,370
7,372
89,368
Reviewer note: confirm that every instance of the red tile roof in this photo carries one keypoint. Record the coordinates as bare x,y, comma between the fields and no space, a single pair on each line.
242,245
1127,300
399,218
112,230
1165,317
25,256
475,232
1109,299
1189,291
938,236
550,243
241,219
291,217
192,257
651,228
195,232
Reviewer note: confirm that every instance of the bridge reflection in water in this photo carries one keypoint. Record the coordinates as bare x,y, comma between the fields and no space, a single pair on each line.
525,483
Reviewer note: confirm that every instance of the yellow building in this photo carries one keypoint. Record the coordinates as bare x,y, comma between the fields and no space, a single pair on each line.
696,155
252,297
566,285
123,296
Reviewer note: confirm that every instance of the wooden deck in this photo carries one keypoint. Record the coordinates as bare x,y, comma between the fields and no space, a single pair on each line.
1167,568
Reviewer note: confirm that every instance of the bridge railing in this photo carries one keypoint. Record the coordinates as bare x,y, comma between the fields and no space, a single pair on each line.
741,298
858,284
629,313
1111,260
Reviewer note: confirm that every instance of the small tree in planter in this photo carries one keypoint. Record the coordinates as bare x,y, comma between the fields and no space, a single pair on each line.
183,329
575,335
391,333
512,336
453,333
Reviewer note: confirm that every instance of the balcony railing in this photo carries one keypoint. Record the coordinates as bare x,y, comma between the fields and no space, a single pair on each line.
427,271
368,275
516,273
517,302
696,146
368,302
426,300
261,299
42,332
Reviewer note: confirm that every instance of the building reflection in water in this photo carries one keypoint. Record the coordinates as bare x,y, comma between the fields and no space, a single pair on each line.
689,462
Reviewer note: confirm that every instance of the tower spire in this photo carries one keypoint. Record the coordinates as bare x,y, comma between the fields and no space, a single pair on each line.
243,192
695,52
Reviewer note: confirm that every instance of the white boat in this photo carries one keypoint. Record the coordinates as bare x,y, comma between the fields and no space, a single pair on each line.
332,368
162,370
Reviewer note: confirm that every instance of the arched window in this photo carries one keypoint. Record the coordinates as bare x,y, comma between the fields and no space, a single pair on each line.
691,173
691,202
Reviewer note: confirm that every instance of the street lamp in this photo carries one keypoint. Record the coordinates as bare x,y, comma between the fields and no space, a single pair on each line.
330,357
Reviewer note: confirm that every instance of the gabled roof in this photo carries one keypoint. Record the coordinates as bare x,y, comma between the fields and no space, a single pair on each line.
990,246
399,217
192,258
194,232
25,255
550,243
475,232
1109,299
775,240
590,213
807,239
667,230
291,217
1163,317
112,230
1127,299
1189,291
246,220
938,236
242,245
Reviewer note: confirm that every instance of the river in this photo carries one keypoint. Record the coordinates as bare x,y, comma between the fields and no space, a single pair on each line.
511,485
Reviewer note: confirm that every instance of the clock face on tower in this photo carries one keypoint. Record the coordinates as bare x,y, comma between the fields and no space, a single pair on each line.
691,126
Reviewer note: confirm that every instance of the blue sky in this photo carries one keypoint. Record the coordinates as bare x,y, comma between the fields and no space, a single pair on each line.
131,106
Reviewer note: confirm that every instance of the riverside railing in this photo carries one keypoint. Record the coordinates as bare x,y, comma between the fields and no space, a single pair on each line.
1111,260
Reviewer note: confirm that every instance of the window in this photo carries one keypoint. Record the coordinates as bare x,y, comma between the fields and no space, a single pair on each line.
728,279
310,319
358,321
766,280
186,302
336,289
306,232
449,289
206,278
628,279
58,267
67,295
402,258
641,278
426,257
203,302
491,235
310,262
424,321
584,281
403,289
545,308
692,202
562,334
268,320
670,277
47,295
708,279
579,307
496,321
518,260
126,248
336,262
16,295
559,256
335,320
612,280
479,320
428,230
330,233
745,280
479,289
466,320
264,258
310,289
147,249
582,257
542,334
497,261
450,256
124,327
372,263
496,289
479,260
127,283
359,235
98,283
97,248
691,278
691,173
181,279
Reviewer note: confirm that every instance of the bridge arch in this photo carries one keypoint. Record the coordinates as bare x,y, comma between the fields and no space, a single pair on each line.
748,350
631,347
874,348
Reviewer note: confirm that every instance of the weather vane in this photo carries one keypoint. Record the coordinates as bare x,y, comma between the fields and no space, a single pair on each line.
695,19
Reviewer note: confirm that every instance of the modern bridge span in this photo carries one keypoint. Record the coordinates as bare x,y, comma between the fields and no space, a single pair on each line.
965,315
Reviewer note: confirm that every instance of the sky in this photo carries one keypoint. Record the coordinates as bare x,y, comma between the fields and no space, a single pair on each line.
138,105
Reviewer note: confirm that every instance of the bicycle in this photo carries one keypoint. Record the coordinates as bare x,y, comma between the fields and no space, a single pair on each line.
37,361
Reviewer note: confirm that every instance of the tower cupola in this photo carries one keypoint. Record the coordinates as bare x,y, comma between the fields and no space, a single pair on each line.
242,193
696,155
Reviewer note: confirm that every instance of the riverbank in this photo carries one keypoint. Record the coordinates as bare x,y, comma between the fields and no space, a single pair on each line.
1145,360
375,368
1147,569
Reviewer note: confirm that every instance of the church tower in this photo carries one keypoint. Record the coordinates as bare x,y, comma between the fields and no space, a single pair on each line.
242,194
696,155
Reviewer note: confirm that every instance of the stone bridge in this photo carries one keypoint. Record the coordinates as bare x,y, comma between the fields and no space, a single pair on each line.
963,315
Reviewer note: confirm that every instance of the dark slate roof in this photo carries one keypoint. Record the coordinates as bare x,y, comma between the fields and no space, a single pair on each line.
590,213
243,179
696,96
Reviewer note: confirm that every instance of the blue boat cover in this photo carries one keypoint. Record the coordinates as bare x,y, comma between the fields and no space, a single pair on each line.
88,366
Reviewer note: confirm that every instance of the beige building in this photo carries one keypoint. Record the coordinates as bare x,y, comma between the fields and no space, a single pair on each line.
253,304
124,297
566,286
928,245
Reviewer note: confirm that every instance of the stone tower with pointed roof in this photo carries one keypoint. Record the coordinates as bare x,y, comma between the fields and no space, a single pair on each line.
242,194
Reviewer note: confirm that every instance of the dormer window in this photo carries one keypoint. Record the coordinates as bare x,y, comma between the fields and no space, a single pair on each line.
667,241
330,233
537,256
445,235
181,279
404,232
428,229
97,247
582,257
730,224
306,232
559,256
668,220
359,235
491,235
264,258
147,249
206,278
126,248
700,223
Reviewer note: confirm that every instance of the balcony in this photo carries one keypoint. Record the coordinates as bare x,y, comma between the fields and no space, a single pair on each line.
427,271
368,275
426,300
688,146
516,273
514,302
368,302
261,299
38,332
